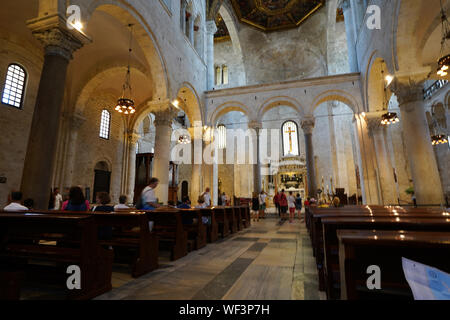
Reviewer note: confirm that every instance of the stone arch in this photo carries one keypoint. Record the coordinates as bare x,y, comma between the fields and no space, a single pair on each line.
103,165
336,95
373,84
191,102
228,107
278,102
91,84
125,13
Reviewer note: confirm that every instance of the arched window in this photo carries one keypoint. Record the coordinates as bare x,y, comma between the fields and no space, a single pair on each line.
14,86
290,138
224,75
221,136
105,124
218,76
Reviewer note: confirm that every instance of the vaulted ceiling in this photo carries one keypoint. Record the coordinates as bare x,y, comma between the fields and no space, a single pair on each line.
272,15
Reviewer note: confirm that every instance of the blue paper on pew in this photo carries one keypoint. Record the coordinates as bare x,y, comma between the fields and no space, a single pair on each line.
426,283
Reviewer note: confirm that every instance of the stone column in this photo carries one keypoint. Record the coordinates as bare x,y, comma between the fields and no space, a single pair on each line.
183,16
133,138
191,29
59,44
257,126
197,156
350,32
215,189
387,185
163,125
76,123
424,170
211,29
308,127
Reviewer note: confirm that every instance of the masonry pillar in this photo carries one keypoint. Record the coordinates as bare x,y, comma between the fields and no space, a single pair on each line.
424,169
59,44
163,125
211,29
308,127
351,38
197,158
76,123
132,139
387,185
257,126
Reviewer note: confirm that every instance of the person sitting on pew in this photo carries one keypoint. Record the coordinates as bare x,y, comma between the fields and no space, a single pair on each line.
122,203
76,201
201,203
104,232
15,199
148,196
186,204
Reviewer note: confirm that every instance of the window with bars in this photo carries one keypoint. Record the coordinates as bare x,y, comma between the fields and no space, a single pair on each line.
14,86
105,124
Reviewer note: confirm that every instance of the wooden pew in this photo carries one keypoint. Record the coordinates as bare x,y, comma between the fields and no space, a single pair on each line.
131,233
223,221
245,213
239,218
196,231
73,242
168,226
212,230
233,223
330,226
316,215
359,249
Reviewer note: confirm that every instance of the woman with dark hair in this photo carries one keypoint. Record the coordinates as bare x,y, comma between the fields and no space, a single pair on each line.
76,201
104,205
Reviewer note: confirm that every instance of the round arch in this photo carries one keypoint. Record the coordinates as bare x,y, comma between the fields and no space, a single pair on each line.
125,13
336,95
228,107
279,102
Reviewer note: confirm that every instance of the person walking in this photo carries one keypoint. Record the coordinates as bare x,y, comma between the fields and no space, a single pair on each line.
291,205
262,204
255,207
276,202
298,206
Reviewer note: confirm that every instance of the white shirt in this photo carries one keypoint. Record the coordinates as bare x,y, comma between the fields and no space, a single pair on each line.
148,195
121,206
207,198
224,199
262,198
291,201
14,206
58,202
201,206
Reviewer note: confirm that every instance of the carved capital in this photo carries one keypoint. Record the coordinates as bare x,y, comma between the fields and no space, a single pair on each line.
408,90
256,125
133,138
308,125
165,115
52,32
211,27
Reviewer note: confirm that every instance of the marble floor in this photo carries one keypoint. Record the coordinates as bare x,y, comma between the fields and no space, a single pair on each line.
267,261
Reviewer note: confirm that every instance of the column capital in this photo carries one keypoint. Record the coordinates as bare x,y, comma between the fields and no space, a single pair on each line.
373,120
408,89
254,124
133,137
211,27
56,38
308,124
164,115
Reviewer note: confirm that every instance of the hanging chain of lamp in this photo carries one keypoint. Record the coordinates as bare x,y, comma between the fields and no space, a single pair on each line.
388,117
444,62
125,104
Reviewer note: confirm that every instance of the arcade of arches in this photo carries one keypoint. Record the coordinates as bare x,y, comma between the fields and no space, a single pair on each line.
327,77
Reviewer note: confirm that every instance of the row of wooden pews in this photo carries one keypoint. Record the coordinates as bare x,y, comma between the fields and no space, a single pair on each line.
42,244
347,240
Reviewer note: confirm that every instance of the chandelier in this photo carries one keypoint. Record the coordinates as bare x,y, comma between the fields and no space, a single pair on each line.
387,118
184,139
444,62
125,105
439,139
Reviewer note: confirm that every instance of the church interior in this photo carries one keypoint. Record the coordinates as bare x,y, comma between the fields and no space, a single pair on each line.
342,104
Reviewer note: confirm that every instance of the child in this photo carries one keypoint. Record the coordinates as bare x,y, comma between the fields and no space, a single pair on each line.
255,207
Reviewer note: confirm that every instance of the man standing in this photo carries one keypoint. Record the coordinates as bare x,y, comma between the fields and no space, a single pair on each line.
207,197
58,199
148,196
276,201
